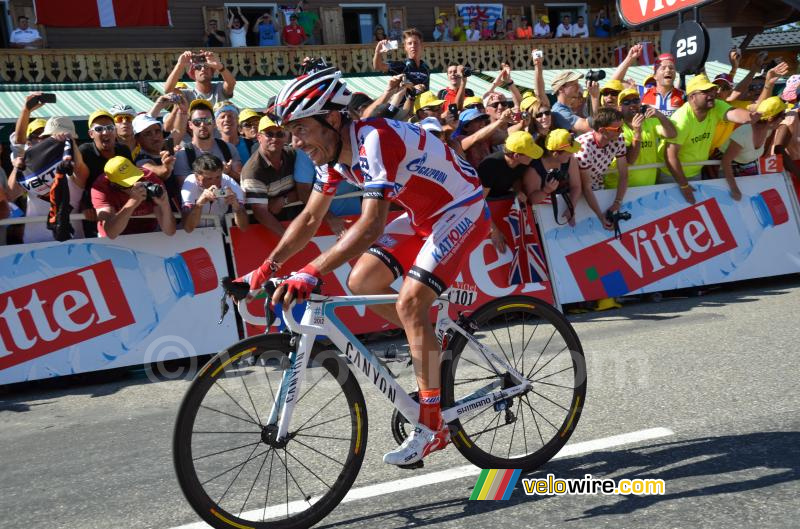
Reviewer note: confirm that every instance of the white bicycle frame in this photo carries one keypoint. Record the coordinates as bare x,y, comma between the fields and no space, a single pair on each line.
319,318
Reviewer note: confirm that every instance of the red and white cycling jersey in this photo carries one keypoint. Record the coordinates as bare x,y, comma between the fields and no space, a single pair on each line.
402,163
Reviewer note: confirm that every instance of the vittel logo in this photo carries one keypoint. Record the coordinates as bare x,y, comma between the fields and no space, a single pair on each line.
61,311
652,251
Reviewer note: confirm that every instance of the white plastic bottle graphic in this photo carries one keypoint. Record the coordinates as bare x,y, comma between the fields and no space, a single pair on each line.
152,286
747,218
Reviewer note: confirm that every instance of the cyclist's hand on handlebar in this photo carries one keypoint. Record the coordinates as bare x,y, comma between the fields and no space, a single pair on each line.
298,287
260,275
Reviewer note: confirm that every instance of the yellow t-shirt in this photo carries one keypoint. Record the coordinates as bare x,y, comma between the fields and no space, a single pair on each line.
648,154
695,136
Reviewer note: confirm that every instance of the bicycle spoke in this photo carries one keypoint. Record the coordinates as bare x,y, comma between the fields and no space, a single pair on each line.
226,450
346,416
546,345
320,410
254,432
524,429
552,401
502,350
557,385
216,384
269,480
323,454
511,441
305,467
251,400
540,414
234,467
269,384
236,476
548,362
322,436
253,486
312,386
229,415
510,341
463,381
494,373
484,410
475,439
494,435
306,497
553,374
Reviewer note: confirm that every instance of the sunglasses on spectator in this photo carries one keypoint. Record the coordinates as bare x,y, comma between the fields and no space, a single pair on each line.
479,106
616,130
202,121
274,134
103,128
123,118
543,113
628,102
250,124
507,104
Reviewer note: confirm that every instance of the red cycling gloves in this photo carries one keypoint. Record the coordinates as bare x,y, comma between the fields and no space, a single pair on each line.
260,275
302,282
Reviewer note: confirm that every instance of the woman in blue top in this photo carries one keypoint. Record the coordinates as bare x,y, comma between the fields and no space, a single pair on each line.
267,32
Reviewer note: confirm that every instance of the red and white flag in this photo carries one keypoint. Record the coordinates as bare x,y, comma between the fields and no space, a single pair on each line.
101,13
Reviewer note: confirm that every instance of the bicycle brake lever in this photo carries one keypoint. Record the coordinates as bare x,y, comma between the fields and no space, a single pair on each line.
223,308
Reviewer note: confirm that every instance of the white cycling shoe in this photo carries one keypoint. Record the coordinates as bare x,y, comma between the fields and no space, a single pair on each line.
421,442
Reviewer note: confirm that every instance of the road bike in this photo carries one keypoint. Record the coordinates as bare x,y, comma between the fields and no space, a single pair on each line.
272,431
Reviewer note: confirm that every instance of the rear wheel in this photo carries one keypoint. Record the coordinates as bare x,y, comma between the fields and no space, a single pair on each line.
525,431
230,466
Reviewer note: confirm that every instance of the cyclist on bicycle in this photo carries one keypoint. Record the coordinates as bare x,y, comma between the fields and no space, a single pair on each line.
445,218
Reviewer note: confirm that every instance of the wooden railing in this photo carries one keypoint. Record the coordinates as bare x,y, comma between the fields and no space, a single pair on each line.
152,64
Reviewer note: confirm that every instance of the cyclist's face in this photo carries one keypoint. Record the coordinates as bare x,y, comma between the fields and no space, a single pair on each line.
317,141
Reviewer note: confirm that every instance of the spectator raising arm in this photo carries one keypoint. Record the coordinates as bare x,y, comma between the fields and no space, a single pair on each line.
228,80
184,60
633,55
378,62
21,129
772,77
539,89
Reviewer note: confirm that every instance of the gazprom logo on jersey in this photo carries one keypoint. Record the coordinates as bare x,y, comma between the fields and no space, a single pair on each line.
418,166
451,239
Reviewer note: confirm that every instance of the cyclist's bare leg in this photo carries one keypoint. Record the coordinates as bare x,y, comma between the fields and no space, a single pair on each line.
413,308
371,276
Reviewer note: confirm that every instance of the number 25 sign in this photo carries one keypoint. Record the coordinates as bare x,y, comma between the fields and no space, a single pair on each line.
638,12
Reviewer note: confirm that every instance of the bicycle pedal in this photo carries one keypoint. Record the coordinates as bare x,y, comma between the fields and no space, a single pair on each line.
413,466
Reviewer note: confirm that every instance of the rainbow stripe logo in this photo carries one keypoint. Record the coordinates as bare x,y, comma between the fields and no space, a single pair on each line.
495,484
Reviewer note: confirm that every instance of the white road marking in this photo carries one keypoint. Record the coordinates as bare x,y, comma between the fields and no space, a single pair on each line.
380,489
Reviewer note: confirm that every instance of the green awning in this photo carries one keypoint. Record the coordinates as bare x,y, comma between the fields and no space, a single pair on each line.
74,104
254,94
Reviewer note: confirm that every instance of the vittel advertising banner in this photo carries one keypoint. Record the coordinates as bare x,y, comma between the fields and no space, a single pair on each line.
669,244
91,304
486,274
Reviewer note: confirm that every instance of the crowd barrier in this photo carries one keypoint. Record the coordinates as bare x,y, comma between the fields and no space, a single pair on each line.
92,304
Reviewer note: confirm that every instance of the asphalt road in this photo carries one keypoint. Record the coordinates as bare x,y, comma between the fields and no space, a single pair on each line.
715,375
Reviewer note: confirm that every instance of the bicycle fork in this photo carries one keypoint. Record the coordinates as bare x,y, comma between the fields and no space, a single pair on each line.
291,385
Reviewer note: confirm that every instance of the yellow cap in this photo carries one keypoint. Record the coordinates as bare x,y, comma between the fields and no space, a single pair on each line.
122,171
625,94
181,85
472,100
266,123
427,99
649,79
201,103
562,140
699,83
35,125
99,114
527,103
248,113
771,107
614,85
545,19
521,142
439,21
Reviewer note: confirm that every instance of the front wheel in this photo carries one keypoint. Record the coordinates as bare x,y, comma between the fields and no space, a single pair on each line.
526,431
230,465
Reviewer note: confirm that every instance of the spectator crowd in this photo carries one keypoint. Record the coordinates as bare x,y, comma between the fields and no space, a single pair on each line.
194,155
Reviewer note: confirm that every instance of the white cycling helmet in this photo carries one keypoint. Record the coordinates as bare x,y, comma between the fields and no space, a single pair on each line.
311,95
122,109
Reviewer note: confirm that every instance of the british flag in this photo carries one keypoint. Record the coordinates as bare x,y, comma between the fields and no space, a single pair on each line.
527,266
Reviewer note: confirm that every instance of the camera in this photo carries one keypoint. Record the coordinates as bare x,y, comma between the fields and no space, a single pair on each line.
595,75
452,108
519,116
616,216
391,45
537,54
643,109
467,71
198,61
556,174
220,192
153,190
